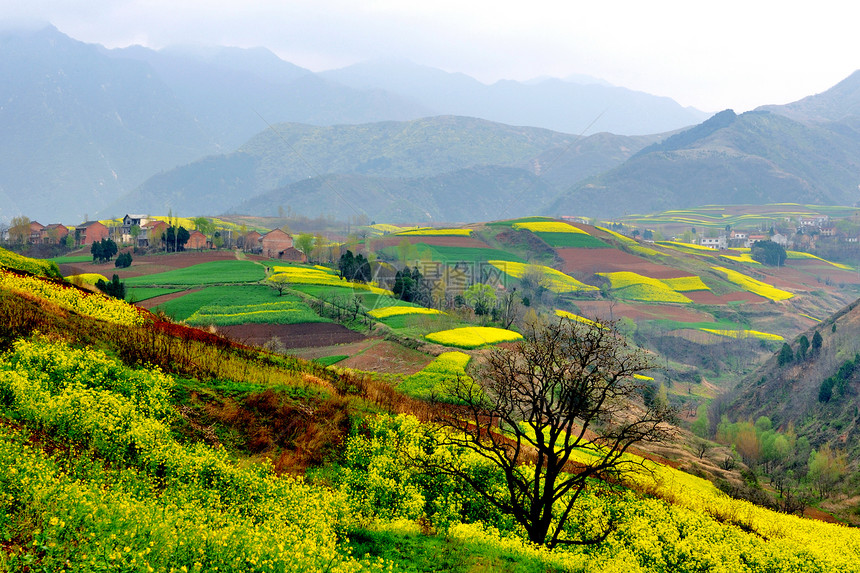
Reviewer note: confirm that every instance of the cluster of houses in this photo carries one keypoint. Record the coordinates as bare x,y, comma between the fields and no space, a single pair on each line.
808,228
144,232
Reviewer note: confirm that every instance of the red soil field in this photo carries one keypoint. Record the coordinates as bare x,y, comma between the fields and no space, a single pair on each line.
601,309
291,335
592,261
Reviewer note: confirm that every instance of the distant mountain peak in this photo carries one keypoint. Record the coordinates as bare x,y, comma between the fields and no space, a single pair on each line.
834,104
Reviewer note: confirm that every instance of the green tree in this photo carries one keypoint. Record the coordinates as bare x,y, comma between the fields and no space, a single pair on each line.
560,396
114,288
786,355
175,239
816,342
19,230
134,231
802,348
826,469
123,261
278,282
305,243
769,253
204,225
481,297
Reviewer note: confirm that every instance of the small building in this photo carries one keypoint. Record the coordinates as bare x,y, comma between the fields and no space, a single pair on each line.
129,221
274,243
780,239
294,255
715,243
35,232
90,232
251,242
197,240
753,238
150,233
53,234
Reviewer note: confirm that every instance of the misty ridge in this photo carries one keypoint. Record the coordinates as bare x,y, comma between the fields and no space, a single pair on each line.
92,131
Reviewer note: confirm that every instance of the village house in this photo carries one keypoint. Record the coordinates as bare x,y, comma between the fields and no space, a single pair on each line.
35,232
716,243
814,222
780,239
130,221
150,233
90,232
53,234
197,240
274,243
753,238
251,242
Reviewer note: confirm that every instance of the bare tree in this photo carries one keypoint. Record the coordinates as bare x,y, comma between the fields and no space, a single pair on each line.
552,414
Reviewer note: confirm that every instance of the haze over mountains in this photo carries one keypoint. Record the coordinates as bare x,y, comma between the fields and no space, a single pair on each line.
90,131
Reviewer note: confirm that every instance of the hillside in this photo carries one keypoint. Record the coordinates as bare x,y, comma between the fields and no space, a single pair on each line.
465,195
816,394
757,157
839,102
108,461
408,161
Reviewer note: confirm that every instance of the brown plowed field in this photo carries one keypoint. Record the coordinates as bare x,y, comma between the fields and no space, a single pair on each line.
292,335
606,309
592,261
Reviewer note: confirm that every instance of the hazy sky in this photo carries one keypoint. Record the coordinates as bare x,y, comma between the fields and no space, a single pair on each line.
711,55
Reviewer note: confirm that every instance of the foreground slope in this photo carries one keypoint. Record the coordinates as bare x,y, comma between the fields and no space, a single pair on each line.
97,473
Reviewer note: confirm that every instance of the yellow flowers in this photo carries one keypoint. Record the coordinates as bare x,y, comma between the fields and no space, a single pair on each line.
95,305
685,284
744,334
754,286
38,267
548,227
576,317
389,311
742,257
473,336
634,286
802,255
86,279
554,280
431,232
318,276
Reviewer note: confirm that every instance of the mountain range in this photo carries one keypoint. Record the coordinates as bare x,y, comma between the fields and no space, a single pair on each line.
204,131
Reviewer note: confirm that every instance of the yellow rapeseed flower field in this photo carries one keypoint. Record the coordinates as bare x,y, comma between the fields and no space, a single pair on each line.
754,286
390,311
744,334
548,227
473,336
556,280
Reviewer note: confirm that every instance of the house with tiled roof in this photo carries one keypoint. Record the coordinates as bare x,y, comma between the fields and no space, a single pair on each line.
91,232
